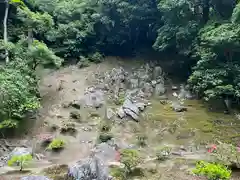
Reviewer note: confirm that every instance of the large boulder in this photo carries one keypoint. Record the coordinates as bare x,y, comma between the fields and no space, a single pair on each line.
89,168
159,89
121,113
131,114
129,105
94,98
157,71
177,107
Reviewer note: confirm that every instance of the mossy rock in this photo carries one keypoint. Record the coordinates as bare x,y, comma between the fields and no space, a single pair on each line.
58,172
68,128
105,137
75,115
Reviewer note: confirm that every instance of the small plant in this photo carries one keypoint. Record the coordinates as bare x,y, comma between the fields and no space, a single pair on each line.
83,62
21,160
104,126
130,159
56,144
96,57
163,153
141,140
212,171
105,137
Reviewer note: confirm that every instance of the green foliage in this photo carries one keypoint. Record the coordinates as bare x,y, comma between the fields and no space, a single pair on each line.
104,137
56,144
21,160
142,140
163,153
83,62
105,126
130,158
96,57
212,171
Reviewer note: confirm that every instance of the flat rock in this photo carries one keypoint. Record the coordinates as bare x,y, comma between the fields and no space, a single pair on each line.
159,89
110,113
131,114
121,113
141,106
129,105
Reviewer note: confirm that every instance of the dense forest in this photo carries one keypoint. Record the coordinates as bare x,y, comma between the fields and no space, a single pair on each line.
202,34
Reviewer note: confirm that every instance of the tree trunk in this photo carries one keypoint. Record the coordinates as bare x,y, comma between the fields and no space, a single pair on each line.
5,36
206,8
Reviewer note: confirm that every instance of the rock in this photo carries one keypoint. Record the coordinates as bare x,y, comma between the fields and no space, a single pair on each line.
131,114
94,99
129,105
147,88
68,128
184,94
76,104
105,152
46,138
35,178
89,168
19,151
163,97
157,71
175,94
133,83
159,89
174,88
109,113
178,108
141,106
121,113
154,83
75,115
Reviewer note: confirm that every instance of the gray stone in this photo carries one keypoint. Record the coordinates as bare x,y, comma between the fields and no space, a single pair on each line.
157,71
76,104
174,88
147,88
19,151
141,106
109,113
159,90
131,114
154,83
178,107
133,83
129,105
121,113
89,168
94,99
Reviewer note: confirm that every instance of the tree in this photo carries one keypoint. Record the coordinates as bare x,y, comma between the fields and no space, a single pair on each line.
5,29
22,160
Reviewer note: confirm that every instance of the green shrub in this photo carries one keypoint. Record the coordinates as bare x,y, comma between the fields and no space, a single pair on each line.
104,137
105,126
212,171
83,62
130,158
118,173
56,144
142,140
163,153
96,57
21,160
